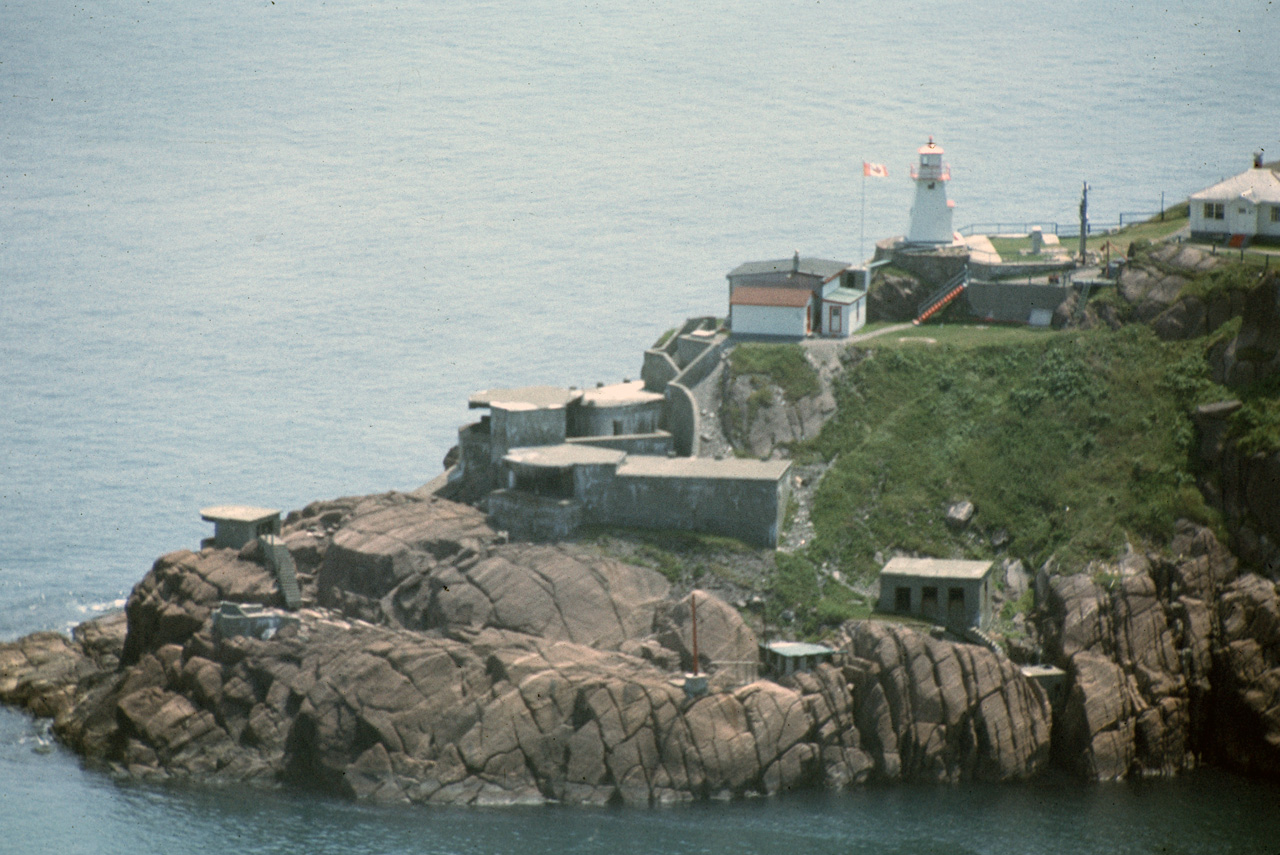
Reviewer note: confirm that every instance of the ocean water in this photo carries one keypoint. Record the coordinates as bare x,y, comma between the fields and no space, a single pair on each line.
260,252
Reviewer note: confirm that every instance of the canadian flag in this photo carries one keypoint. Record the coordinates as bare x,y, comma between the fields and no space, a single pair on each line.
875,170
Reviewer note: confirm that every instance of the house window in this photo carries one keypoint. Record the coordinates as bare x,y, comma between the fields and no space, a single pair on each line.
1214,211
1275,213
902,599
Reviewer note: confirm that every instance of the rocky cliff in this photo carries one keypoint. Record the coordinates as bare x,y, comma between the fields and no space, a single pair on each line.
433,662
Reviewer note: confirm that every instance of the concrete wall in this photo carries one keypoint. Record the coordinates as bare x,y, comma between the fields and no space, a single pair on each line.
658,370
1013,302
683,421
769,320
519,426
657,443
475,460
933,267
617,420
233,534
977,599
526,516
690,347
748,510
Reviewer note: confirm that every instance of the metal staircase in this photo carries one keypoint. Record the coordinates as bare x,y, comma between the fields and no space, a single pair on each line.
942,297
281,563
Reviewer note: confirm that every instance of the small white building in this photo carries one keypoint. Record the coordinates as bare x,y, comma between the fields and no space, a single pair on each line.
794,298
1246,205
931,211
844,310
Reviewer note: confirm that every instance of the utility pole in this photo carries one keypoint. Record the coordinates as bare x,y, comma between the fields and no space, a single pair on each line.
1084,220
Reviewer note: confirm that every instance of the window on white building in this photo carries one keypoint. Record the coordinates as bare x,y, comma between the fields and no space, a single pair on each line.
1214,211
1275,213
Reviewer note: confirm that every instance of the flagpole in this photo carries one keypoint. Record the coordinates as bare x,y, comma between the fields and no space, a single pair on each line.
862,230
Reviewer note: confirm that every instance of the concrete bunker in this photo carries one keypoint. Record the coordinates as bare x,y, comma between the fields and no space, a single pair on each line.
950,592
783,658
236,525
549,491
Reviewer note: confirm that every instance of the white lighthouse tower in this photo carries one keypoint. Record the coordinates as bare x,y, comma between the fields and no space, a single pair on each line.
931,210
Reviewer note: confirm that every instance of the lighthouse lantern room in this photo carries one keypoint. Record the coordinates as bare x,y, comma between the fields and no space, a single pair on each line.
931,210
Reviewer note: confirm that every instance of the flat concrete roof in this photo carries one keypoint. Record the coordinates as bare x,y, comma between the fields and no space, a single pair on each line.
619,395
563,456
237,513
936,568
540,397
796,648
648,466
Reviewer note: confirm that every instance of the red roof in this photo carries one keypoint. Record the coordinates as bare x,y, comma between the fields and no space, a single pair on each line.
760,295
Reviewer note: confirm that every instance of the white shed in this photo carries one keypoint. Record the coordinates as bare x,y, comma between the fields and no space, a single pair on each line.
844,310
774,311
1247,204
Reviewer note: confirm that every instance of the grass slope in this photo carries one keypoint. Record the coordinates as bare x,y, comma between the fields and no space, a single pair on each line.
1072,443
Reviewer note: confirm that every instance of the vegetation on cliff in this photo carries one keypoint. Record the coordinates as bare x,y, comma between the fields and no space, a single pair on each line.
1070,445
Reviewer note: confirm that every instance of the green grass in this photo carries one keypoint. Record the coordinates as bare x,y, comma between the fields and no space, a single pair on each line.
1154,230
783,365
1072,442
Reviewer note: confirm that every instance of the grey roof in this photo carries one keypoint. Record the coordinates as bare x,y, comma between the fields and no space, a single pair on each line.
1255,185
237,513
844,296
936,568
619,395
564,456
796,648
820,267
647,466
540,397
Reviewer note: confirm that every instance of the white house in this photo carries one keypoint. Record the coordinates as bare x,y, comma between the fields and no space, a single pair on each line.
1245,206
795,297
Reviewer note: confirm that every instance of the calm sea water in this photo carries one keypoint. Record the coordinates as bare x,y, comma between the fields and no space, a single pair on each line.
260,252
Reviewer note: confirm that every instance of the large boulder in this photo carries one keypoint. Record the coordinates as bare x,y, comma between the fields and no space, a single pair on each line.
724,639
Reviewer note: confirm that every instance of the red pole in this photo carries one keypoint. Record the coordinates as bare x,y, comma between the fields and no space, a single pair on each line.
693,610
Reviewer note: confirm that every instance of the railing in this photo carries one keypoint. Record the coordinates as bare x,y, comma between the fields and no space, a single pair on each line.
931,173
1062,230
960,280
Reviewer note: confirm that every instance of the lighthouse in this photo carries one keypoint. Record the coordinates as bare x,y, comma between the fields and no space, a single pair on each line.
931,210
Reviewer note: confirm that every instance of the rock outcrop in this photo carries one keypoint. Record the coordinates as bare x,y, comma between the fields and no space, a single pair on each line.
1242,482
1137,640
452,667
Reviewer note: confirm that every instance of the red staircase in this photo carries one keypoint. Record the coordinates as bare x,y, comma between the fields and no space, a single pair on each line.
942,297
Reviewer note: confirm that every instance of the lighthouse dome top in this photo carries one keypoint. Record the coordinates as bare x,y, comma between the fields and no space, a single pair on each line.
930,147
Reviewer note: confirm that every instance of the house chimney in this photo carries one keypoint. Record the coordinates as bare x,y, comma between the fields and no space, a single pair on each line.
795,262
1257,160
